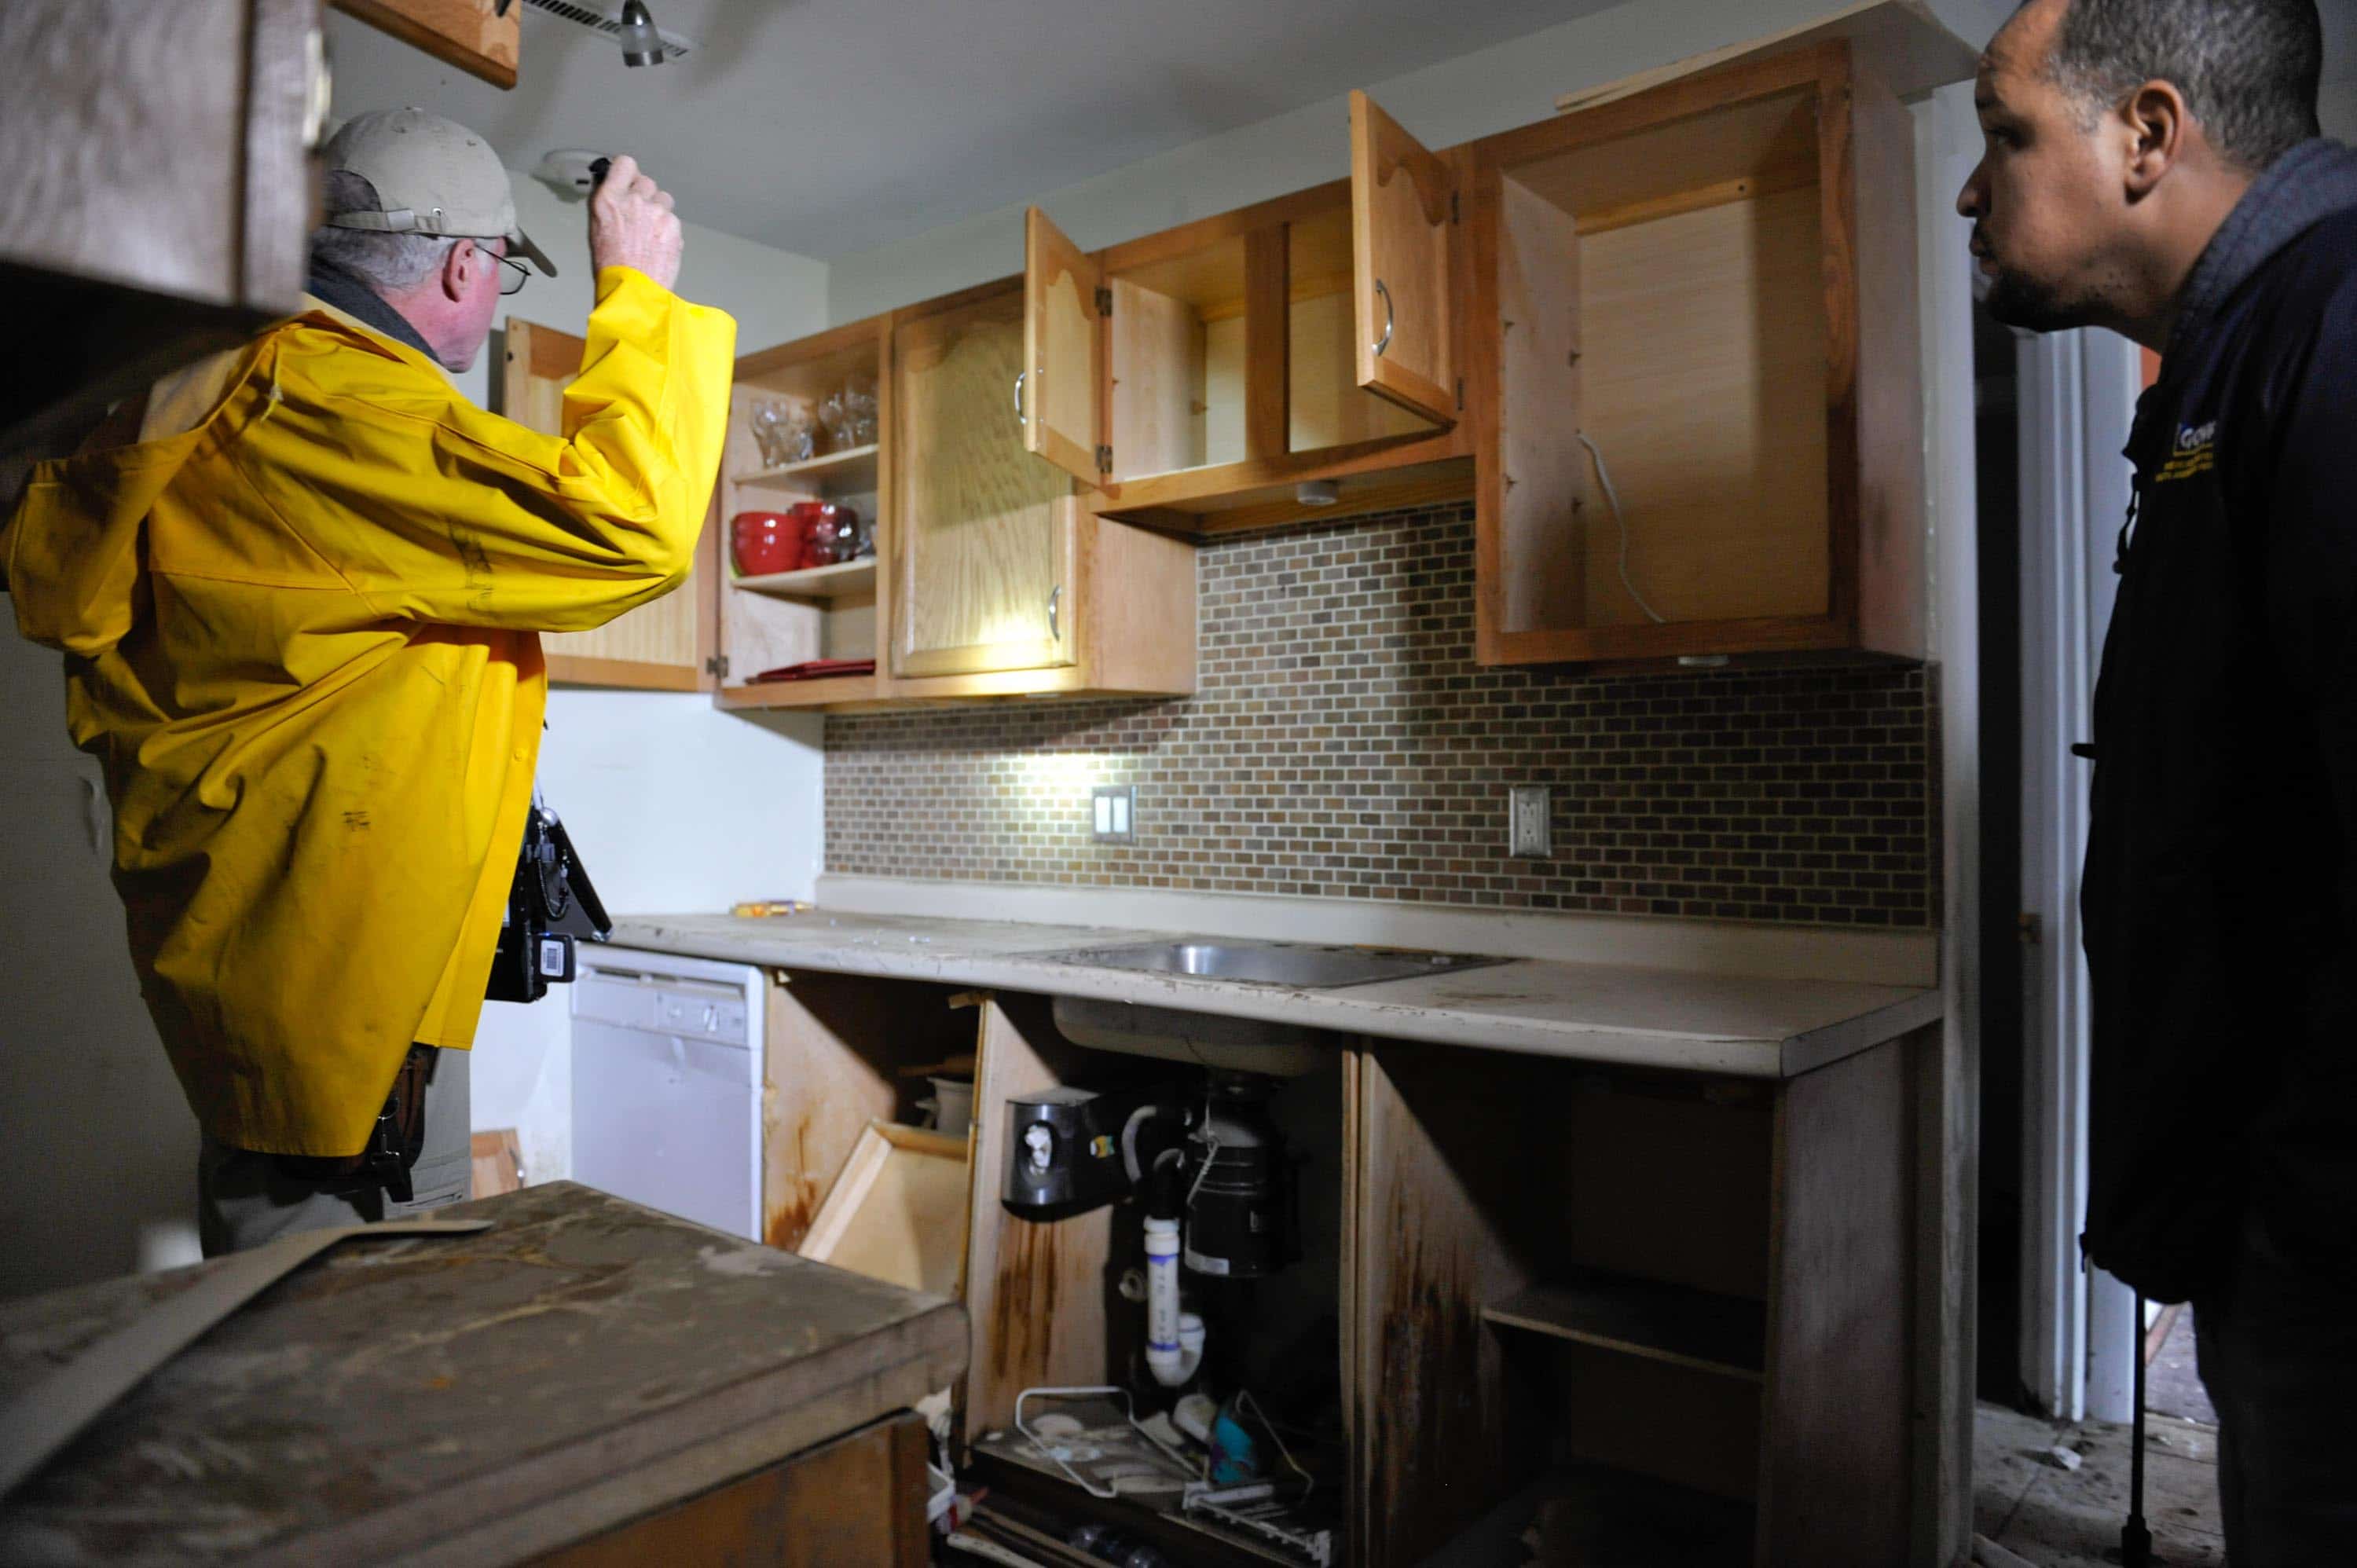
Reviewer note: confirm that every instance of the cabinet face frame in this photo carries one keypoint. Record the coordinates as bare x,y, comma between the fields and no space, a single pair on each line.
537,363
1875,260
478,36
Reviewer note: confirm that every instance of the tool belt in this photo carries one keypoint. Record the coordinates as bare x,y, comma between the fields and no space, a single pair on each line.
394,1144
550,906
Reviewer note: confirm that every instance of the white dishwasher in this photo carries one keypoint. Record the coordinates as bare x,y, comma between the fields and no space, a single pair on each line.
667,1074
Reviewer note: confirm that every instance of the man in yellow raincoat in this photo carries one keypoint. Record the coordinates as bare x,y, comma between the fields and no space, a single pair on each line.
300,591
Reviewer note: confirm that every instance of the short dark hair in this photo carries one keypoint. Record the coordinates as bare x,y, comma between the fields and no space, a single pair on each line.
2249,68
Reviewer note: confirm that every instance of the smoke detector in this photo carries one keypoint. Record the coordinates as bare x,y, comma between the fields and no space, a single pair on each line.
567,171
606,22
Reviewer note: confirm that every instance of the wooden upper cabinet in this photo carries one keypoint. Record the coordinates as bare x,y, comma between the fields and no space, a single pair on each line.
1059,386
1403,204
481,37
982,542
1694,370
662,646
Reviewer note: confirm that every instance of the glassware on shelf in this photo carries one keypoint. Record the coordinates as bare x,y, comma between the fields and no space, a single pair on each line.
859,409
849,414
785,432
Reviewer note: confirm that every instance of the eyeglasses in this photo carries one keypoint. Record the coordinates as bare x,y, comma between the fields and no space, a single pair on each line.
513,279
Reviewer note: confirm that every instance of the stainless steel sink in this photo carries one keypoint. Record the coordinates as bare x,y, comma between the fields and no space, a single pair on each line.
1299,964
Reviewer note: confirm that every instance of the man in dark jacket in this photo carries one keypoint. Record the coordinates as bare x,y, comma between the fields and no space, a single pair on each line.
2154,166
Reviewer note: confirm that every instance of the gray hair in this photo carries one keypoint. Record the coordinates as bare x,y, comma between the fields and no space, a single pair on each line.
393,262
2249,68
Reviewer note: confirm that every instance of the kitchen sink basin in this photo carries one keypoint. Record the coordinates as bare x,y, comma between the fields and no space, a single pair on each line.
1300,964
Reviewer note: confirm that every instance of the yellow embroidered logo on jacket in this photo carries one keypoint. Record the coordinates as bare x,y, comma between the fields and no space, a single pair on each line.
2196,453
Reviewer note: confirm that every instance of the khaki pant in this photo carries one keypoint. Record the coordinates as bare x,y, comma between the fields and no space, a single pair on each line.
244,1199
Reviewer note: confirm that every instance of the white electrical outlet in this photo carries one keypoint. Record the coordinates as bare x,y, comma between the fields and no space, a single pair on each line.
1529,830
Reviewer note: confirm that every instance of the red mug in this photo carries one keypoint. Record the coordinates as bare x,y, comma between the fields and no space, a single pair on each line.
765,542
814,526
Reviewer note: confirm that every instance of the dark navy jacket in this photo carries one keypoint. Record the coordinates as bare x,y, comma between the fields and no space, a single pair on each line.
2220,897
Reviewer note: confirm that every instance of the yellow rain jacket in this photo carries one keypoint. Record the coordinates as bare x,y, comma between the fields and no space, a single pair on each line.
301,637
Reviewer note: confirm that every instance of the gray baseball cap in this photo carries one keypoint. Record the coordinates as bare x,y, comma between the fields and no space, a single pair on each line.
435,176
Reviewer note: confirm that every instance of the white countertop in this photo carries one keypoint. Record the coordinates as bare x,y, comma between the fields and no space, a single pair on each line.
1742,1026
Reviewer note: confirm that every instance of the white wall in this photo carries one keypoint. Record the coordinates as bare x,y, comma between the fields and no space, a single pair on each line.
675,805
1453,100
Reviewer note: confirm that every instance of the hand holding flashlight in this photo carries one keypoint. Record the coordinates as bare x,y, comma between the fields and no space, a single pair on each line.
631,224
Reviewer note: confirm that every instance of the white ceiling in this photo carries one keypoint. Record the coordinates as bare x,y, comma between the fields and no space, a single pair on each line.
828,127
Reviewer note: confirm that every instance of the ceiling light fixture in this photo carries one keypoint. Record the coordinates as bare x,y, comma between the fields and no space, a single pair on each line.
641,45
1316,492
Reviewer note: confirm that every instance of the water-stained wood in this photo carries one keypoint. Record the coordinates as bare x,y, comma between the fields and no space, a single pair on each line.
496,1396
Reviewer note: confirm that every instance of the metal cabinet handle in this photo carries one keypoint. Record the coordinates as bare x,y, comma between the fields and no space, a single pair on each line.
1020,418
1385,341
1055,601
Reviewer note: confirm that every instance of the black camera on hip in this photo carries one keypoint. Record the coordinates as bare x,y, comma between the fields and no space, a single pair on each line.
551,906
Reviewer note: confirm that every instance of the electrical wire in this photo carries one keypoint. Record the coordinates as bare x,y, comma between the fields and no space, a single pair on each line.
1613,495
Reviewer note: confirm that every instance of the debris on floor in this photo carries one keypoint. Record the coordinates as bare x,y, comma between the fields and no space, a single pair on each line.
2026,1503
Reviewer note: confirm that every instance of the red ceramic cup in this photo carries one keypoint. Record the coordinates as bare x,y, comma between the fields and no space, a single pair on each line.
765,542
814,523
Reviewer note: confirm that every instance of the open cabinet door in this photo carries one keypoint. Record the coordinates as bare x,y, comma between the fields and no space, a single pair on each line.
1401,210
1059,392
660,647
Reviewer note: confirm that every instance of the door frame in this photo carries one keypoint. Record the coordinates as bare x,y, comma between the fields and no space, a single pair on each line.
2078,399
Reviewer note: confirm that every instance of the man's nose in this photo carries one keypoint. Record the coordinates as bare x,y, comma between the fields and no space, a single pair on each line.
1969,203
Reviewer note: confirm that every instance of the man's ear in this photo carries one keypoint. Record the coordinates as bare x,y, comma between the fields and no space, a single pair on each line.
457,268
2156,124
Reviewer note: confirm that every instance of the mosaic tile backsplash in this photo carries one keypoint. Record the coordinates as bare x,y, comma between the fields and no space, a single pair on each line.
1344,743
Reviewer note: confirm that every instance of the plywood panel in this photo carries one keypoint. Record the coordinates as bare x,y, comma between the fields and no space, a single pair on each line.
1893,593
1835,1458
1035,1293
834,1044
982,531
1772,140
1328,407
1704,383
1545,518
1157,344
898,1213
1431,1449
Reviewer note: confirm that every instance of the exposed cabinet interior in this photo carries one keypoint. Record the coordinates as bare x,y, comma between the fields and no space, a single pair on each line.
829,612
1326,406
1226,372
1679,296
1664,1314
843,1052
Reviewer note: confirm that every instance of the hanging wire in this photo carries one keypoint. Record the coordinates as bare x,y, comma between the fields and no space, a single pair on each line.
1613,495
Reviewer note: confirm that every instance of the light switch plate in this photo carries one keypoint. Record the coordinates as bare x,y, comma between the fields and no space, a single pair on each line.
1113,810
1529,827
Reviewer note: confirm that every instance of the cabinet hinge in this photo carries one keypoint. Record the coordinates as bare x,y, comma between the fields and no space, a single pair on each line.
1105,302
1105,459
718,665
